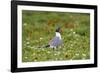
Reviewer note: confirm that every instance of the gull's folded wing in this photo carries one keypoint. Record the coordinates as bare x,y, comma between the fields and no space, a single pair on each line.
56,41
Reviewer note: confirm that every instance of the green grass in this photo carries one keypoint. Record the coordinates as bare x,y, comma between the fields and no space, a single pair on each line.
39,27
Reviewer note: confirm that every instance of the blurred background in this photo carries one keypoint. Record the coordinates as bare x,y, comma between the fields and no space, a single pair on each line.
38,28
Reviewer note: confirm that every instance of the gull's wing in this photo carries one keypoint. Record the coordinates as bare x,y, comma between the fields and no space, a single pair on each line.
56,41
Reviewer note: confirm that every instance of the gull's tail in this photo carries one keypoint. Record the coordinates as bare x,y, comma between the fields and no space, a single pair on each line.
45,46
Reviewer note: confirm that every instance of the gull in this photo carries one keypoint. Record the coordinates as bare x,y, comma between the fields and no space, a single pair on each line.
56,41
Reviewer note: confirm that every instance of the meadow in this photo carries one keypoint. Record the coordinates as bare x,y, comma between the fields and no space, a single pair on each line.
38,28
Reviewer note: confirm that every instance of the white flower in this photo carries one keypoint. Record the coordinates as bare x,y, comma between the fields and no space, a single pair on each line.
26,57
77,54
35,60
25,24
59,46
32,47
71,29
48,52
55,54
43,49
74,32
33,54
41,38
71,45
84,54
27,42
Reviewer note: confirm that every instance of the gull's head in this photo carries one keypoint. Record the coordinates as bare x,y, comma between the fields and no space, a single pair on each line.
58,30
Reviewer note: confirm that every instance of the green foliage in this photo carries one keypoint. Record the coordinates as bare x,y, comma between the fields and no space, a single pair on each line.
39,27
